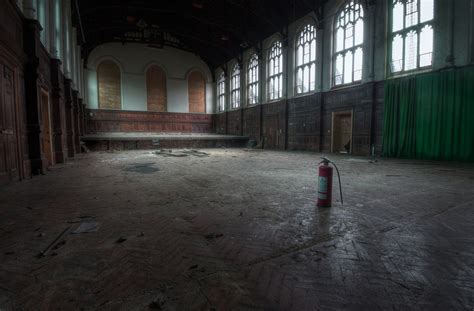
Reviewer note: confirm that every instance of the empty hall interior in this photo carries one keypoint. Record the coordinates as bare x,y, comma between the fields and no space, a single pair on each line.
236,155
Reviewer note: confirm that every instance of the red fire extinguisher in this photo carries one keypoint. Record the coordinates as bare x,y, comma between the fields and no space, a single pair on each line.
325,183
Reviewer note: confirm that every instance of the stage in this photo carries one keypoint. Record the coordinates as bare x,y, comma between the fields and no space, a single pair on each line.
145,141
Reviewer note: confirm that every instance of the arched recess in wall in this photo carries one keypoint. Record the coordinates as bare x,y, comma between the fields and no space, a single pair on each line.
156,88
197,92
109,85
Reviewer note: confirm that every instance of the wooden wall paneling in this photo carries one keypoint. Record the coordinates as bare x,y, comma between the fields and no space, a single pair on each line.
9,166
99,120
13,162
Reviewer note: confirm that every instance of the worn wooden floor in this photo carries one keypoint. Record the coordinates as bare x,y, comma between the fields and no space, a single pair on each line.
237,230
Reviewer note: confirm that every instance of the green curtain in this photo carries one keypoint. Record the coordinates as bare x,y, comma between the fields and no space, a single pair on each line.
430,116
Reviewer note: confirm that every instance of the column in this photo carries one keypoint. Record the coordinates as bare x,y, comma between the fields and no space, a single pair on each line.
69,111
32,100
30,9
76,116
54,29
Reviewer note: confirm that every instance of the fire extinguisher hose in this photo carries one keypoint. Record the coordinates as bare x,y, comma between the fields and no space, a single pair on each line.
339,179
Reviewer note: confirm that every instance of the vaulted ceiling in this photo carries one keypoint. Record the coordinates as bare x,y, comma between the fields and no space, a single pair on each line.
216,30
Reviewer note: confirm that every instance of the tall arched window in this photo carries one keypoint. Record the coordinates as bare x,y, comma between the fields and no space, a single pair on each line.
235,87
275,71
306,60
197,92
156,89
349,38
221,92
109,85
411,34
252,80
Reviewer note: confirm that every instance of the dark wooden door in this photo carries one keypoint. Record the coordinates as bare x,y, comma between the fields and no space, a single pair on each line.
271,131
8,141
342,132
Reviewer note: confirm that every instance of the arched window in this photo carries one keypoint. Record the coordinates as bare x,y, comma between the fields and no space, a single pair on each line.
411,34
235,87
221,92
109,85
306,60
156,89
197,92
252,80
349,38
275,71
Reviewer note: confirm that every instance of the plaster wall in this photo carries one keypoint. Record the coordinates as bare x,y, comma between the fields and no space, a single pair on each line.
133,60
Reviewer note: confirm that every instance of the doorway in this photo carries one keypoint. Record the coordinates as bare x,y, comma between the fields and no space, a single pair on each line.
341,140
46,137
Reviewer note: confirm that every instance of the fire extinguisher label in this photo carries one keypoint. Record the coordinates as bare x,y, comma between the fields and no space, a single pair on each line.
323,187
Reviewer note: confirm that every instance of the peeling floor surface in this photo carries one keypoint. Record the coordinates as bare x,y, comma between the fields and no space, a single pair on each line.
237,230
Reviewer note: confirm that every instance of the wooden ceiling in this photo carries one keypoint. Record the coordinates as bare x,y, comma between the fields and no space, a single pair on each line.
216,30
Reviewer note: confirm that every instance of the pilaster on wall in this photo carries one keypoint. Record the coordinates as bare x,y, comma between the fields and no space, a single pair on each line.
76,116
33,127
69,112
82,118
58,112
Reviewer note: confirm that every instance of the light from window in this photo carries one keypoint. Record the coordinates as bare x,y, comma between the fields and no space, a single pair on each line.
306,60
275,71
235,87
252,80
221,91
412,35
349,32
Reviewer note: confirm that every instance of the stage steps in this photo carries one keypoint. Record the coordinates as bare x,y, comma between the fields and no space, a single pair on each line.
150,141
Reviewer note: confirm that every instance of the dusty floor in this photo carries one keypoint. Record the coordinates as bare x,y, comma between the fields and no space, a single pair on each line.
237,230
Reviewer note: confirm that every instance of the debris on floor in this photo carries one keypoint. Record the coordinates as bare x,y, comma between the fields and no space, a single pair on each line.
86,227
361,160
142,168
121,240
43,253
212,236
82,218
181,153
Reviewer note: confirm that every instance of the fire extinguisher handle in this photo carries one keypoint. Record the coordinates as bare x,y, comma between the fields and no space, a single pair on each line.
325,160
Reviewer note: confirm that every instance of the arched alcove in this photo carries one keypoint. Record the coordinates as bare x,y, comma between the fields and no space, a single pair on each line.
197,92
109,85
156,88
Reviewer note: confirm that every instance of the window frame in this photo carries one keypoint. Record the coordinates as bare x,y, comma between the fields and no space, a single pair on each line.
221,92
235,94
418,27
272,77
352,49
253,79
300,34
